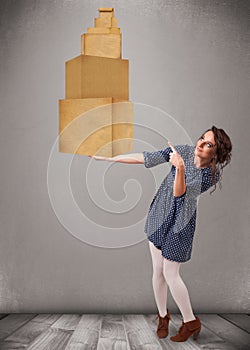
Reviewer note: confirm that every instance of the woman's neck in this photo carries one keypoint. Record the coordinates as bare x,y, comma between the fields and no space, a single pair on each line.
201,163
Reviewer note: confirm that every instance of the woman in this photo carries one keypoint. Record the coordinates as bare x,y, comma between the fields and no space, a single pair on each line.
171,219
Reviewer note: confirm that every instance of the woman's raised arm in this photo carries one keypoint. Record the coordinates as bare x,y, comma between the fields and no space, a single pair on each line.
179,181
132,158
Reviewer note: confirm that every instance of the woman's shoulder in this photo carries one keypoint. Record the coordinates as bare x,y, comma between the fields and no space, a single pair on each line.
207,178
185,150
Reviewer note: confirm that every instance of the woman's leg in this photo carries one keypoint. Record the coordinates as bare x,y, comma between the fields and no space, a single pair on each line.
178,289
160,286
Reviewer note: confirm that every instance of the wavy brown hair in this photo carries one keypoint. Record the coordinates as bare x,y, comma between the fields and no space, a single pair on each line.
223,153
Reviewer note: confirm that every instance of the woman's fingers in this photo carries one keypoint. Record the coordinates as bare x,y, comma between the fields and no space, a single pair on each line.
99,157
172,147
175,158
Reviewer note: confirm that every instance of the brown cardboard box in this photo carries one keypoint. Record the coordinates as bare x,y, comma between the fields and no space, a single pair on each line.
91,77
101,126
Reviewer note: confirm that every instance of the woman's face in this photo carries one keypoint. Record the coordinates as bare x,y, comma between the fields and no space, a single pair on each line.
205,146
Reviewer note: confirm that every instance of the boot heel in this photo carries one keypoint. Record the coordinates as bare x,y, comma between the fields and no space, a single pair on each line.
196,334
187,329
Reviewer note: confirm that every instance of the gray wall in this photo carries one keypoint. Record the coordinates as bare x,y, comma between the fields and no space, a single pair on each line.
188,59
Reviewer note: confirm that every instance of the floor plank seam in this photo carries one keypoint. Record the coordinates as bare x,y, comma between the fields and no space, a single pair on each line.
126,336
238,326
100,331
16,329
3,316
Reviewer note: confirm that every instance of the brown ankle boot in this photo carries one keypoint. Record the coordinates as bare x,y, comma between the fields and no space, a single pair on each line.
162,329
187,329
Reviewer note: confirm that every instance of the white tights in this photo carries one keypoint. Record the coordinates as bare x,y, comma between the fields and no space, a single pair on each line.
166,274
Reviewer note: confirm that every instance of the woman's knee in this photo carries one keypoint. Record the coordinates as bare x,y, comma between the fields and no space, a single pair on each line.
171,271
158,277
158,269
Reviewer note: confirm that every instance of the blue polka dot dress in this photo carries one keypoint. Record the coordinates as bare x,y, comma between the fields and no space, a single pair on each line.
171,220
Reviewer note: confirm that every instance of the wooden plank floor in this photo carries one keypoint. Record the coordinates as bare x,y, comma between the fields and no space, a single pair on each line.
118,332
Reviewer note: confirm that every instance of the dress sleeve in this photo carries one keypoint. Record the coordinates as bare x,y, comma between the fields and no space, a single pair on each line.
158,157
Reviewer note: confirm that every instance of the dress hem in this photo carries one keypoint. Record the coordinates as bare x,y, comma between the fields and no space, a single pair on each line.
159,248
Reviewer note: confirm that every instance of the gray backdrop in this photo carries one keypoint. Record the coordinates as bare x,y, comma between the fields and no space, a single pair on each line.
188,59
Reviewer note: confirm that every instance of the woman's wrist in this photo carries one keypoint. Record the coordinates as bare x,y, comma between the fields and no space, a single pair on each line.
180,167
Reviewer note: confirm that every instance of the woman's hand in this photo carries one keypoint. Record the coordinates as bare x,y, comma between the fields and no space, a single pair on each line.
100,157
175,158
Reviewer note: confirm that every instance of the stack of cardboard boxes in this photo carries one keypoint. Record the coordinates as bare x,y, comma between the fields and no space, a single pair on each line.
96,116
